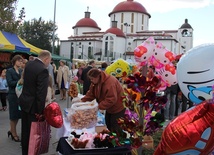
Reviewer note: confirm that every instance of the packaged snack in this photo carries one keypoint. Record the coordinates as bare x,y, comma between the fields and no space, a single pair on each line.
83,115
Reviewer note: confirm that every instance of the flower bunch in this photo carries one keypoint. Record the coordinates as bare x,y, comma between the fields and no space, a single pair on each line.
143,106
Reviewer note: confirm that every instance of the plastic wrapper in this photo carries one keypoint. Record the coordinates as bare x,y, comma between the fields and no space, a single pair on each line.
83,115
73,90
101,119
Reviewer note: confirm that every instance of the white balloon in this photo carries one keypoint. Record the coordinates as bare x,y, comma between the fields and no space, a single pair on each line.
195,73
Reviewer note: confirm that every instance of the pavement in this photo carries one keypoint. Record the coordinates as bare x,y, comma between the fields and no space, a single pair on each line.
9,147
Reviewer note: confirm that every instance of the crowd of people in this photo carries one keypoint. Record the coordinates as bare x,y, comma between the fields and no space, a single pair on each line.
29,85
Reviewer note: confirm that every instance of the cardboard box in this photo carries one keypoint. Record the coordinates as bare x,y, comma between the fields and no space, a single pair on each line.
100,128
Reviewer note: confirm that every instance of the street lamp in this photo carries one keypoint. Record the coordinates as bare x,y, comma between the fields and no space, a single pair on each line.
53,37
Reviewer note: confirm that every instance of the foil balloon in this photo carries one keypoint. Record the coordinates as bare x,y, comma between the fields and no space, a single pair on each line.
143,52
162,56
53,115
120,68
195,73
191,133
154,62
167,74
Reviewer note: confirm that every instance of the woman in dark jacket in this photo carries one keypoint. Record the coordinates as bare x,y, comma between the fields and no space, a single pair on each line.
13,75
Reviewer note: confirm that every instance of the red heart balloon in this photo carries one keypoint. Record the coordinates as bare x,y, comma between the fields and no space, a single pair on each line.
53,115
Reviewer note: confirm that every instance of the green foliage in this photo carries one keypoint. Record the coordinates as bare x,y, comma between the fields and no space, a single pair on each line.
38,33
8,20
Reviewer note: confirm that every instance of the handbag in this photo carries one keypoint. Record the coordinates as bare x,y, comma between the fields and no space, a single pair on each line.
39,138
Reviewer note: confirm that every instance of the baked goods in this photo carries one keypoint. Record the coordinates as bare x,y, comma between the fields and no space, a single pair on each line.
83,115
73,90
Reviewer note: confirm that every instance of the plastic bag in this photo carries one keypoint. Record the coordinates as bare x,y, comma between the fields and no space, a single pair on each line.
101,118
83,115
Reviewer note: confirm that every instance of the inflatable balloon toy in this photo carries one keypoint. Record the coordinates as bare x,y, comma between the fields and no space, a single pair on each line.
195,73
161,56
191,133
53,115
120,68
167,75
143,52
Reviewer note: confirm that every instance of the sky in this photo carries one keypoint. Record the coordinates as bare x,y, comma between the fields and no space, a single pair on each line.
165,15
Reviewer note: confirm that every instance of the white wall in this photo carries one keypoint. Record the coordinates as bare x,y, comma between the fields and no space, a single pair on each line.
80,30
65,48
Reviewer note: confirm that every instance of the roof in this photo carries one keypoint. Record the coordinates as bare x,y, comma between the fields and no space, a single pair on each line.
129,6
118,32
86,22
186,25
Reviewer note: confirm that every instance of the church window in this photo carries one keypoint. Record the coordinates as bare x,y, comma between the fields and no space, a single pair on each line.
132,17
122,16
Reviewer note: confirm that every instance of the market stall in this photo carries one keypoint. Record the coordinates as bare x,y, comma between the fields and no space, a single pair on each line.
11,44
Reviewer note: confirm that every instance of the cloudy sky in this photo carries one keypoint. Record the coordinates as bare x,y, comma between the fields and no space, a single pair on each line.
165,14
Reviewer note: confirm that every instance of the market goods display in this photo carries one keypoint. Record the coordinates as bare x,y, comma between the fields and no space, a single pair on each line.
83,115
88,140
73,90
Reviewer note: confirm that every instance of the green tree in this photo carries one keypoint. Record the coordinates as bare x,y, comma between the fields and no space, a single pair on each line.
8,20
38,33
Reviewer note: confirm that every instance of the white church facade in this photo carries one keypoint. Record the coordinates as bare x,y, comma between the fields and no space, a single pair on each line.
129,28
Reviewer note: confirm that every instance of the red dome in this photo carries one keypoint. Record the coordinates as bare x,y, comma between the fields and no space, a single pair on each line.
86,22
129,6
118,32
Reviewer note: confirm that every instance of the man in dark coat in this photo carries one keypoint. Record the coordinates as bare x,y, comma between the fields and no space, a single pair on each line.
86,81
32,99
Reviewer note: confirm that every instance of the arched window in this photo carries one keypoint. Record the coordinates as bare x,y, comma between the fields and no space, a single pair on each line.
90,56
72,52
109,47
132,17
186,33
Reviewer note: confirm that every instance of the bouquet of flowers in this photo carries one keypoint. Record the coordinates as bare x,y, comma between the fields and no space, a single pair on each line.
143,106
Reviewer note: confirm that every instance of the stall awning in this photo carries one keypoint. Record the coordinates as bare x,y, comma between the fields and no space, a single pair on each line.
10,42
13,43
58,57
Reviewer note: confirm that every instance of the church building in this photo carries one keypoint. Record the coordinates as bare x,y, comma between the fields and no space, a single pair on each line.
129,28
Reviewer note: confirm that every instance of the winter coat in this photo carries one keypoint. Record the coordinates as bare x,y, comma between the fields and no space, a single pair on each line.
65,74
107,93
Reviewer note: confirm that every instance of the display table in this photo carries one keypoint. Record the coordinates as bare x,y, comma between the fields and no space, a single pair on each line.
66,129
65,149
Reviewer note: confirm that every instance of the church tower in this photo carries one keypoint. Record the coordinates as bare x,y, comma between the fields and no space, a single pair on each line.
185,34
